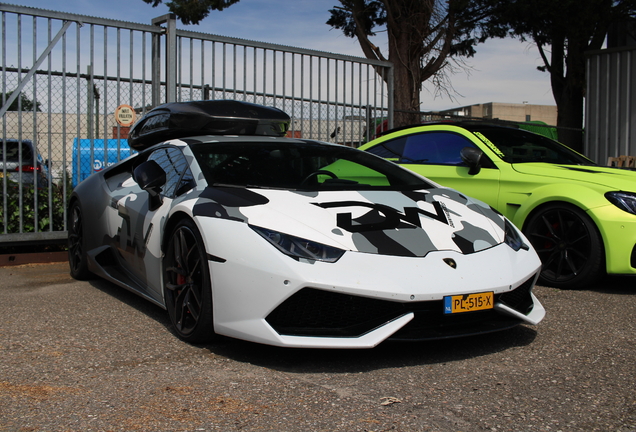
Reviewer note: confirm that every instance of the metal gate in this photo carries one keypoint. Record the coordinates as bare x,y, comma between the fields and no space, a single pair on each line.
64,75
610,116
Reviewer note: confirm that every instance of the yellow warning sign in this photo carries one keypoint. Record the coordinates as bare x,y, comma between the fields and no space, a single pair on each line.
125,115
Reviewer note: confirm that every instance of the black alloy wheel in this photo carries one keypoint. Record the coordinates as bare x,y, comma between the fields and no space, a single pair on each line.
77,259
569,245
187,287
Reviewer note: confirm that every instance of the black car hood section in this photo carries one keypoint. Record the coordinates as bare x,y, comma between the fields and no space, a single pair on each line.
234,196
214,201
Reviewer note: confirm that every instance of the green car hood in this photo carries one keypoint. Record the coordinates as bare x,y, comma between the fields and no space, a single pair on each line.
613,178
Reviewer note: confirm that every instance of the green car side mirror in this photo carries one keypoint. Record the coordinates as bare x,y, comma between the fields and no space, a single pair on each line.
472,157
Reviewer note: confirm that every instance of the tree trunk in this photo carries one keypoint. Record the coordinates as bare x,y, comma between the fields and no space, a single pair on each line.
570,118
405,54
406,100
568,88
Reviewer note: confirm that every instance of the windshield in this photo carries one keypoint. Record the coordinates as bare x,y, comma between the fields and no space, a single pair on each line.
300,165
518,146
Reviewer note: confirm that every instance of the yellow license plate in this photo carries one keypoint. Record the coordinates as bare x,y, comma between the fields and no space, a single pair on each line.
468,302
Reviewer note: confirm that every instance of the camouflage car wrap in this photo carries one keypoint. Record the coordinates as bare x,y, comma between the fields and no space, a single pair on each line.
403,248
387,223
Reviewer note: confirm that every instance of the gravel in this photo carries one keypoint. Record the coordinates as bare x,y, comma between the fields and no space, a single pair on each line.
91,356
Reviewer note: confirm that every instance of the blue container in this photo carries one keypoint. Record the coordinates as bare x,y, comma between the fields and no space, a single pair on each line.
92,155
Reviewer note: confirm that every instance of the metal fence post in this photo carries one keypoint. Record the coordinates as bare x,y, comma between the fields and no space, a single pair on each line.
170,32
390,97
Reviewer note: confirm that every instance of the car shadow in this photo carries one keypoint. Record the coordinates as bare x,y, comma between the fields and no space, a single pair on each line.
131,299
610,284
388,354
622,285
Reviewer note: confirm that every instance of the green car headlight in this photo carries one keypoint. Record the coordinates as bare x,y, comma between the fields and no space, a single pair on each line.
625,201
512,237
297,247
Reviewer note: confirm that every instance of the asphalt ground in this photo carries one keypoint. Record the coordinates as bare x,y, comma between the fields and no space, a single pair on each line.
90,356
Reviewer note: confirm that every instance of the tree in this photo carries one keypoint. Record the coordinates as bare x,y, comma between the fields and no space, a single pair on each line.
424,37
22,102
193,11
562,31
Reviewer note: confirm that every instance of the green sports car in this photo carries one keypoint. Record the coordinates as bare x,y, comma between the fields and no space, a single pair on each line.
579,216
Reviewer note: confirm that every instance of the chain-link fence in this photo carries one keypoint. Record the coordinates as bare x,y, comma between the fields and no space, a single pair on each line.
64,75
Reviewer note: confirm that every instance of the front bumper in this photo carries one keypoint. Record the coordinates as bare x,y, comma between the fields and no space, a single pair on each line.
263,296
319,313
618,230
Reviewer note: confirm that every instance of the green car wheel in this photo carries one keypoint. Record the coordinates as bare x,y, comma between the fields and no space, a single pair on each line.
568,244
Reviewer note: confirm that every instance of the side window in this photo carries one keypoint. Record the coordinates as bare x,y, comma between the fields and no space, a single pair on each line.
441,148
390,149
176,167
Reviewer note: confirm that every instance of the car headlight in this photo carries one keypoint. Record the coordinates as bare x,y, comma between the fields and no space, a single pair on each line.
512,237
297,247
625,201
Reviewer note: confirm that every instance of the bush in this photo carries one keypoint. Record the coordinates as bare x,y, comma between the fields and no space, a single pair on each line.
44,222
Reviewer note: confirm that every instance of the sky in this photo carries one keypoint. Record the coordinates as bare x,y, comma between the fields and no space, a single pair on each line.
502,71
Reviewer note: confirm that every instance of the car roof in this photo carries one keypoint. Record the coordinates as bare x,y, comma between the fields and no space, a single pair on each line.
207,139
13,140
470,125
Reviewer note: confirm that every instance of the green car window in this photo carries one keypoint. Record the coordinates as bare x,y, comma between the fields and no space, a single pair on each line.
518,146
392,149
438,148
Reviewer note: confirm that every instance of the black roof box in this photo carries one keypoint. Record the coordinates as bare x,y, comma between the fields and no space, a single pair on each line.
213,117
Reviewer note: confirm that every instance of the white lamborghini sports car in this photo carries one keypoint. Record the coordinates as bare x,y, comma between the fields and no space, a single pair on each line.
238,231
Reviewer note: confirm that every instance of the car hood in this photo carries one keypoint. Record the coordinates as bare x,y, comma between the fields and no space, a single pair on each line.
408,223
612,178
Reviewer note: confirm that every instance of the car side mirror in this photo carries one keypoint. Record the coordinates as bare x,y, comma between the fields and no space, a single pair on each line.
151,177
473,158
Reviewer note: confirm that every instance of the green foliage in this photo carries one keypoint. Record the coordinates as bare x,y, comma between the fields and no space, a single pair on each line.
575,25
193,11
22,102
356,15
563,32
426,40
46,220
457,24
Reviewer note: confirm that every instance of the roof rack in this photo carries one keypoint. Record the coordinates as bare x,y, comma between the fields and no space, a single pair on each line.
212,117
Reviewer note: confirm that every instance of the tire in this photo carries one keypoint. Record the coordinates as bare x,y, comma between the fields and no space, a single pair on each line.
569,245
77,258
186,284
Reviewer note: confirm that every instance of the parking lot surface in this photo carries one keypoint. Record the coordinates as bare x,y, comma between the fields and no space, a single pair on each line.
90,356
